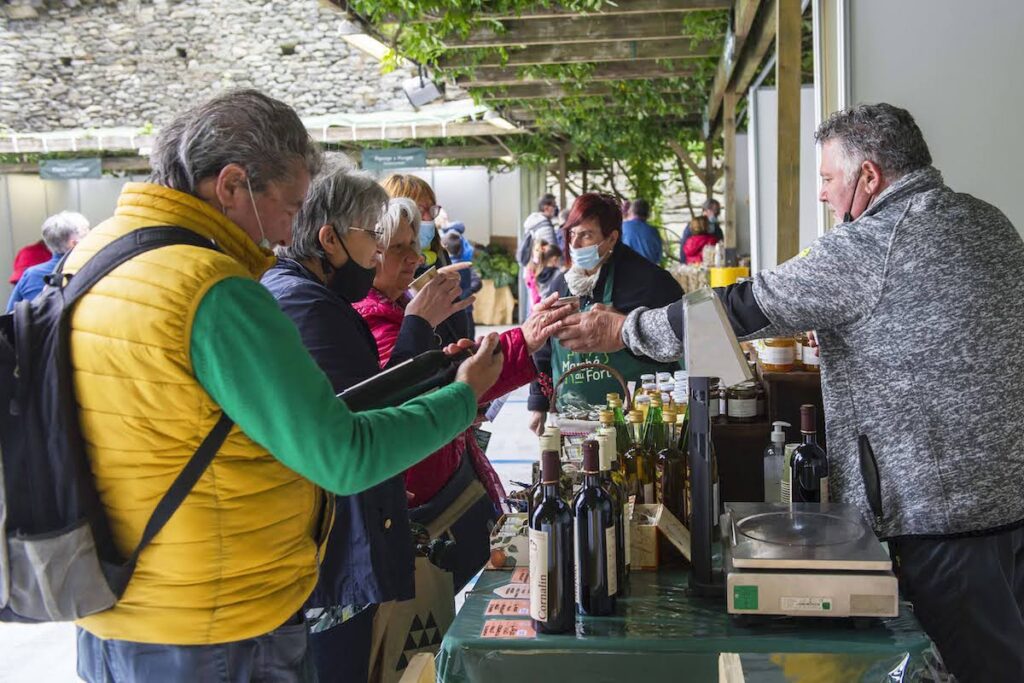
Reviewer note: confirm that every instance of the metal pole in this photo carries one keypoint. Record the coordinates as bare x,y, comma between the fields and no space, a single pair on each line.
704,581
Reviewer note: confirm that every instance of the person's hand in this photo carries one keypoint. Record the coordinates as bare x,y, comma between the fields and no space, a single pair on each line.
439,298
812,341
599,330
458,347
538,418
544,320
481,370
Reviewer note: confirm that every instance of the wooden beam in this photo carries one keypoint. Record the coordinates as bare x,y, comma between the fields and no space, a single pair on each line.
491,76
536,91
617,8
593,29
576,53
787,80
729,134
755,28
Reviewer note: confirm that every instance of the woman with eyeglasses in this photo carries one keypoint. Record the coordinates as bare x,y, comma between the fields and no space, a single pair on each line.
338,237
601,271
455,492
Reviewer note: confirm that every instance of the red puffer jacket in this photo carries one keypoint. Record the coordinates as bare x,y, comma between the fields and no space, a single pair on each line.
425,479
694,247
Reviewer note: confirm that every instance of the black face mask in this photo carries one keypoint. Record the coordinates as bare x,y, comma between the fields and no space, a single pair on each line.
352,282
848,216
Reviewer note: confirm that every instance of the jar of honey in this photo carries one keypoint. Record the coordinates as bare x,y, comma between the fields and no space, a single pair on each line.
778,354
742,402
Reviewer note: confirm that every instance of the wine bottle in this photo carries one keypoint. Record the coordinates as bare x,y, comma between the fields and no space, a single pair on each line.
595,540
550,440
642,461
809,465
611,480
672,470
621,430
607,418
551,583
654,427
629,464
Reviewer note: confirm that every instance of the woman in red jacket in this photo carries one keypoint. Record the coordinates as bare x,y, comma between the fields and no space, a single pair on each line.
699,238
440,486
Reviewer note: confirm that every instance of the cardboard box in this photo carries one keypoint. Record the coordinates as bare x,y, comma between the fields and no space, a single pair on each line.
658,538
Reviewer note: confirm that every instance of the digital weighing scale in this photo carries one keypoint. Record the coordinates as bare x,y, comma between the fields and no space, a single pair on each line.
805,559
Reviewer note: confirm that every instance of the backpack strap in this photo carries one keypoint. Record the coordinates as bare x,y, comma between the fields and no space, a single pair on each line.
108,258
123,249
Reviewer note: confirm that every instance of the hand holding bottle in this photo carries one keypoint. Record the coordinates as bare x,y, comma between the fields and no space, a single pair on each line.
545,319
481,370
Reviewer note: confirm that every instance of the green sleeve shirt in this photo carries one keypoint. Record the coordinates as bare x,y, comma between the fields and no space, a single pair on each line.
249,357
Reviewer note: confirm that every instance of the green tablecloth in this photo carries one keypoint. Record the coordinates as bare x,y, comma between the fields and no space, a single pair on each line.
660,633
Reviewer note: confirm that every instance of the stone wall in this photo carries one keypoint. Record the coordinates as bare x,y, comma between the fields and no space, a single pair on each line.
103,63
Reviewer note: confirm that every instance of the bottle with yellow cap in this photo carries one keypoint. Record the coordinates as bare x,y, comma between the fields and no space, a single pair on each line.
638,462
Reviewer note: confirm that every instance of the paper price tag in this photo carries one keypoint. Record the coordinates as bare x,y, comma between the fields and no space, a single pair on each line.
521,575
508,628
506,608
514,591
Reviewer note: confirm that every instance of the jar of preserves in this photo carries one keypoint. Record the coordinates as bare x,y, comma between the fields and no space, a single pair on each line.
809,358
778,354
741,401
801,342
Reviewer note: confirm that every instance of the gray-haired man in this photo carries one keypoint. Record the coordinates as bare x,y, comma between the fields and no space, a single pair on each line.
61,233
899,315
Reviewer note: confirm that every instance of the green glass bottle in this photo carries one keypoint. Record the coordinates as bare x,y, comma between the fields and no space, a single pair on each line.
638,470
672,471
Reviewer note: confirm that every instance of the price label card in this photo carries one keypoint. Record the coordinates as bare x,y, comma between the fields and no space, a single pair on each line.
514,591
521,575
504,608
508,628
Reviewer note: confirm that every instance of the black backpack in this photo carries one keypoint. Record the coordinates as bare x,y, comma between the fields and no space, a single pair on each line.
58,561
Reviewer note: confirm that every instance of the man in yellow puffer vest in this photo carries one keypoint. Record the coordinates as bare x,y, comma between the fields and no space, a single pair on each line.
176,336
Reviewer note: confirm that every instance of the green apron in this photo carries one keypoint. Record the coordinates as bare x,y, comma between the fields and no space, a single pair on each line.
593,384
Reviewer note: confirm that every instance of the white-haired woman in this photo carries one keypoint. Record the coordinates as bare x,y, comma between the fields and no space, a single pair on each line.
439,484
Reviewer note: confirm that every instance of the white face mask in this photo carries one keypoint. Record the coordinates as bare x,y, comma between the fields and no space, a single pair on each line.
264,242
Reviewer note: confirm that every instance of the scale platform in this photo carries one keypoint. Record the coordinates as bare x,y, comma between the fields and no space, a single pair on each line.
805,559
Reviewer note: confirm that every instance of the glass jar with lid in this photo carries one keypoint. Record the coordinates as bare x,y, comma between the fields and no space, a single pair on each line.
778,354
809,359
741,401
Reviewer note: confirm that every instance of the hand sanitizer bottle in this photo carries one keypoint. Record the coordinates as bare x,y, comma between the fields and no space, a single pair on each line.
773,458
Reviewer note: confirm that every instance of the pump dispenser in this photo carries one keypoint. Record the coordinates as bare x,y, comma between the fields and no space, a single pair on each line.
774,456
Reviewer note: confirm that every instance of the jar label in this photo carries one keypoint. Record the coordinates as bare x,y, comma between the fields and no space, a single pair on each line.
539,574
714,408
810,356
742,407
778,355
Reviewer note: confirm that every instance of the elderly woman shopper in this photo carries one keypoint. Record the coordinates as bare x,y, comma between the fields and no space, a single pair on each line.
331,262
439,484
601,271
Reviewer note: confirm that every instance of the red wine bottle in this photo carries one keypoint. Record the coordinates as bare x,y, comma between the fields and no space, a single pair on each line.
596,585
809,464
551,585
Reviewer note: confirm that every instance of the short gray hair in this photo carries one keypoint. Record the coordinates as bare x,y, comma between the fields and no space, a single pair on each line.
61,228
399,208
340,196
245,127
881,133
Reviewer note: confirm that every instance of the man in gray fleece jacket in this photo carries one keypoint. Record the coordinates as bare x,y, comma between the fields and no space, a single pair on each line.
920,332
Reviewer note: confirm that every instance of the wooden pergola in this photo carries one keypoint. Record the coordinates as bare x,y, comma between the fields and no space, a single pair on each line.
638,40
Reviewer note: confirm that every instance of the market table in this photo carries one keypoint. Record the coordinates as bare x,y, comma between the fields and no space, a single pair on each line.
661,633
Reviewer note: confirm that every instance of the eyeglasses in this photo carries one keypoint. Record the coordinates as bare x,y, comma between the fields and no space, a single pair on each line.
432,211
377,232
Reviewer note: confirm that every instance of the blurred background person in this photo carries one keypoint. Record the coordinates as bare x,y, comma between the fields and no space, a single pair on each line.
639,235
61,233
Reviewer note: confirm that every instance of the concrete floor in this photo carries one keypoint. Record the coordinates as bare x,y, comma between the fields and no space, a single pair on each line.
46,652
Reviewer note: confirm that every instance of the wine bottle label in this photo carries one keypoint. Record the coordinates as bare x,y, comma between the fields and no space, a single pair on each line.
539,574
810,356
824,489
577,535
626,524
778,355
612,562
649,494
742,407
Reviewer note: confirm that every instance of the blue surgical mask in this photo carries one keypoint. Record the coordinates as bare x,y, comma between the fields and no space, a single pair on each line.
427,232
586,258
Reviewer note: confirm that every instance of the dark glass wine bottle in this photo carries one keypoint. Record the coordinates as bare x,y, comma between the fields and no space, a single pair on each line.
595,540
612,482
551,549
809,465
672,470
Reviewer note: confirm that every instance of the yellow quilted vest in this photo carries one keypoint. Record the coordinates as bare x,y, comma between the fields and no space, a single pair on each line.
239,557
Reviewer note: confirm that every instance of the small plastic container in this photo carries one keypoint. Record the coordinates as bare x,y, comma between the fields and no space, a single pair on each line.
778,354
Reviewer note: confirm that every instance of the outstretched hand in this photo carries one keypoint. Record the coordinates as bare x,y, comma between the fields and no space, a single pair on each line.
599,330
546,318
